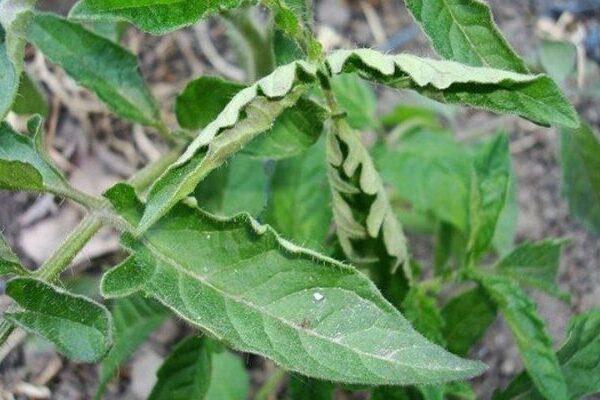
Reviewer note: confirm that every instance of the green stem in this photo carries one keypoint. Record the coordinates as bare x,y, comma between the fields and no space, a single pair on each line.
271,385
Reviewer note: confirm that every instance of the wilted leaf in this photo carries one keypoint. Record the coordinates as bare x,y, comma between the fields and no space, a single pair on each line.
464,31
580,157
535,97
258,293
14,19
78,327
154,16
534,264
97,63
531,336
467,317
135,318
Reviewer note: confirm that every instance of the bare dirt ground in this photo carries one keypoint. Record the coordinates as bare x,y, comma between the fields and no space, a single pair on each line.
96,150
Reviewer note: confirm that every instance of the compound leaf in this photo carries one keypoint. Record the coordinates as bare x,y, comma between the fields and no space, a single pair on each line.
78,327
186,373
135,318
23,163
531,336
249,113
580,157
534,264
153,16
535,97
464,31
247,287
15,16
98,64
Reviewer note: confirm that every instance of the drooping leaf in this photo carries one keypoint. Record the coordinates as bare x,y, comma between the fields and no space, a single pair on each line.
250,113
229,379
238,186
186,373
431,171
153,16
467,317
203,99
531,336
135,318
534,264
299,205
535,97
301,387
9,262
97,63
558,59
580,158
30,99
357,99
423,312
24,164
464,31
578,359
489,192
15,16
258,293
78,327
364,219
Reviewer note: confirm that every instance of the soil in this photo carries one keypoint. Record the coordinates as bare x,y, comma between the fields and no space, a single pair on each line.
32,367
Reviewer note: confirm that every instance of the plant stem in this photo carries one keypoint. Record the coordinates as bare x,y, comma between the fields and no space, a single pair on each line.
271,385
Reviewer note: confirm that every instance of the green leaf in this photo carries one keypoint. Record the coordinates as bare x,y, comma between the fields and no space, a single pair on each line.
531,336
431,171
535,97
506,227
229,379
357,99
78,327
135,318
97,63
249,113
9,262
534,264
578,358
258,293
422,311
185,374
464,31
301,388
294,131
23,163
580,157
203,99
239,186
558,59
489,192
364,219
299,201
15,16
30,98
467,317
153,16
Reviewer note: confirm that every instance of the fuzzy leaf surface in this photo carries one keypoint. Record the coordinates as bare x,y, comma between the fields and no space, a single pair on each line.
78,327
534,264
9,262
97,63
153,16
531,336
534,97
578,359
464,31
580,157
250,112
247,287
15,16
135,318
24,164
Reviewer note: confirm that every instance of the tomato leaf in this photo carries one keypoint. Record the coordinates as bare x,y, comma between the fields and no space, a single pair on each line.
9,262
